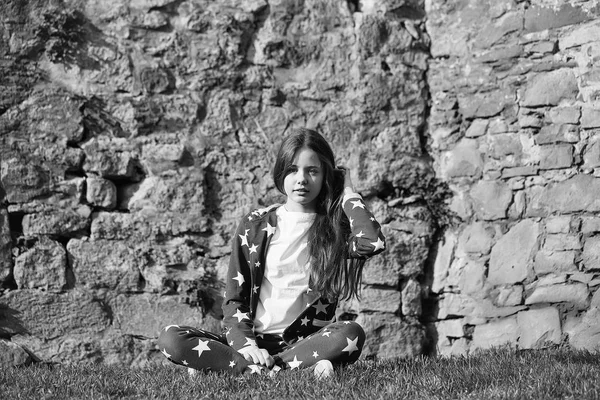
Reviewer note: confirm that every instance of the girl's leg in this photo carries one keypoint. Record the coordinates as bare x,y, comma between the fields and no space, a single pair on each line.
340,343
199,349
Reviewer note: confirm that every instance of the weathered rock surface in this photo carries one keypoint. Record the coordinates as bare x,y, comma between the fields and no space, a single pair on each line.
134,135
513,124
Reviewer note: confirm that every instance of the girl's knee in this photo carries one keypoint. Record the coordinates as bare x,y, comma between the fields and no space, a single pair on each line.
351,328
169,339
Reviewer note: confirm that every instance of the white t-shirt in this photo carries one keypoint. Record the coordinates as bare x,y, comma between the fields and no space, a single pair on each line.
284,292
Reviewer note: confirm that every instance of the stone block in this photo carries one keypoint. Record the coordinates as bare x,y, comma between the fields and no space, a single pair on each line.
558,224
445,254
590,257
544,47
180,193
6,259
575,294
411,295
477,128
484,105
51,315
13,355
556,156
539,328
146,314
590,225
472,278
507,296
528,170
107,264
561,242
557,133
501,54
404,256
563,115
584,331
539,18
548,89
111,158
67,222
505,147
580,35
576,194
491,199
101,193
43,266
450,328
465,160
591,155
495,32
378,299
590,118
389,336
476,238
24,180
511,258
547,262
496,333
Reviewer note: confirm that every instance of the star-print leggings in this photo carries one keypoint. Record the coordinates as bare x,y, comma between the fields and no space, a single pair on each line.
339,342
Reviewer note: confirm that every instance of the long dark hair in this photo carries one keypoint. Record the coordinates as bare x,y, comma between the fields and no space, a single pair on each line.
333,274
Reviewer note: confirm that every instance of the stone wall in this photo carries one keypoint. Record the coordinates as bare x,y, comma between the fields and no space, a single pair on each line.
134,135
514,129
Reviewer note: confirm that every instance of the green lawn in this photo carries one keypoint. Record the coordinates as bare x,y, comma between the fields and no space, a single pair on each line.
496,374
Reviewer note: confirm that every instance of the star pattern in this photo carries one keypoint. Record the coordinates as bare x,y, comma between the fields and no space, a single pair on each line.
253,248
315,354
295,363
351,347
305,321
240,315
231,364
269,229
360,234
320,307
201,347
245,238
379,244
357,203
240,279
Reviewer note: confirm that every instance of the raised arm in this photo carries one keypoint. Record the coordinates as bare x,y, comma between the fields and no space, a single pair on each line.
366,238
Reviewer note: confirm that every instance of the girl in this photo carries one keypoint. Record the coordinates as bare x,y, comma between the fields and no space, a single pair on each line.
289,265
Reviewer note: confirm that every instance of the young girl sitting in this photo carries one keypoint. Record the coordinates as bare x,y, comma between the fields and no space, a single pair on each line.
289,265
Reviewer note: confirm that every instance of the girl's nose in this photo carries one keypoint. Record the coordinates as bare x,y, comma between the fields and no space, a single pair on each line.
301,177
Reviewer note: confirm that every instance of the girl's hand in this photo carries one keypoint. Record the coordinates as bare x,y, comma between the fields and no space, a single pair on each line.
348,186
257,355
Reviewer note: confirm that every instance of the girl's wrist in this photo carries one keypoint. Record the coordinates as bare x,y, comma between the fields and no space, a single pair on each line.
349,190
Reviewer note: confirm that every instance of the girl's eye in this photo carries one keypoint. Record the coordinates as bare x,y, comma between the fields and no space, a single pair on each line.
314,171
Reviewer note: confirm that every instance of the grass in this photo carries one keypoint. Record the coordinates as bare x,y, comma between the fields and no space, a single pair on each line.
495,374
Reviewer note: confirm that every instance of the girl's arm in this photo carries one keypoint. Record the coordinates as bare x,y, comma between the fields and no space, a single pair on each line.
366,238
237,315
236,305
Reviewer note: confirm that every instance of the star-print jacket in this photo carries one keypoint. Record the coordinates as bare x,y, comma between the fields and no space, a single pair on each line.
247,267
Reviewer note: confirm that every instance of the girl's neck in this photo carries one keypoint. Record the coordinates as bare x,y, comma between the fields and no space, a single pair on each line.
299,208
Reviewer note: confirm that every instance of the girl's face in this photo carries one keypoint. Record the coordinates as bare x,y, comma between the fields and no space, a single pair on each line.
303,182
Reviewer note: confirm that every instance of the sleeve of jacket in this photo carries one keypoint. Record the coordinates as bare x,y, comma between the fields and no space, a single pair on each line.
366,238
237,315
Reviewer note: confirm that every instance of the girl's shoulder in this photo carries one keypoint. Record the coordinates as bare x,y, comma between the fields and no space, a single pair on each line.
260,214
